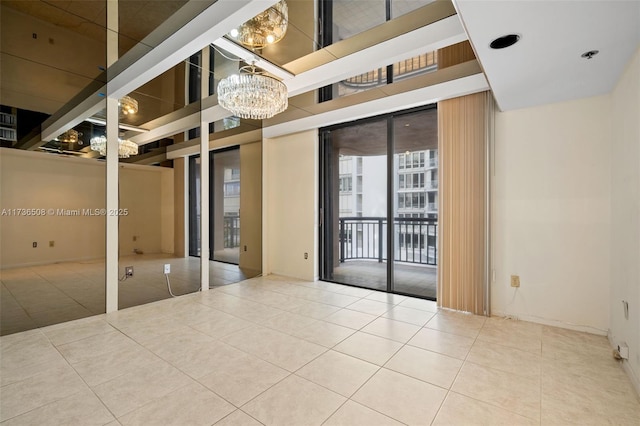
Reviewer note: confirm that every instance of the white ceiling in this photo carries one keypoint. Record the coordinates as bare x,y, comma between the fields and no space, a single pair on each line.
545,65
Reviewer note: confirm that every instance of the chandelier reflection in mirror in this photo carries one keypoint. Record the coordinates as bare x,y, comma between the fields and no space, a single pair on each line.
266,28
251,94
70,136
128,105
126,148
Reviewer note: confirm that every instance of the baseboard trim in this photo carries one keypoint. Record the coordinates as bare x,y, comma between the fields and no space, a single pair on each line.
551,322
635,380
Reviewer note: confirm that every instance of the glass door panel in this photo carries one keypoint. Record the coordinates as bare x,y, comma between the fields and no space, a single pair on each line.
355,225
415,168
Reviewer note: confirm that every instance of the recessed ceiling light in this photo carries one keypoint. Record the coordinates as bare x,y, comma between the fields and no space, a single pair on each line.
590,54
504,41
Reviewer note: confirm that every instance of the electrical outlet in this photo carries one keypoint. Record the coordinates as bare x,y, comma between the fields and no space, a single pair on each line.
515,280
135,238
167,268
34,244
245,248
128,271
52,243
306,256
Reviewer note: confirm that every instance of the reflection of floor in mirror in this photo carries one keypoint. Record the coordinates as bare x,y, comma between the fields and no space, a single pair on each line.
229,255
417,280
38,296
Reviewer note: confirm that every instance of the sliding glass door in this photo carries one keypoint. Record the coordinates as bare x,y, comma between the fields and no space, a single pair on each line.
379,203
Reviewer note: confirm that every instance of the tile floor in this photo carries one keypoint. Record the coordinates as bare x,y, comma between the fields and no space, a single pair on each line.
278,351
43,295
419,280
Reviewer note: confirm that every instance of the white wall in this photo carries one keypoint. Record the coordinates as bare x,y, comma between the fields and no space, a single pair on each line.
290,205
625,214
38,180
550,214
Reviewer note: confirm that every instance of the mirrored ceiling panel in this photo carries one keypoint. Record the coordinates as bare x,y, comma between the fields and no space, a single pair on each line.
139,18
52,52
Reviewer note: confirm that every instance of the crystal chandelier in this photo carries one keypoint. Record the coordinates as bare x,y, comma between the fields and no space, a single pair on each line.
250,94
70,136
128,105
126,148
267,27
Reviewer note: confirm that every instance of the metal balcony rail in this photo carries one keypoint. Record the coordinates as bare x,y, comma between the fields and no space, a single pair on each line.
231,231
403,69
415,239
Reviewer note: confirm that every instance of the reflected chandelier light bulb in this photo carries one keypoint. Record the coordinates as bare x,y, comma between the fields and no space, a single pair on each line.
126,148
128,105
265,28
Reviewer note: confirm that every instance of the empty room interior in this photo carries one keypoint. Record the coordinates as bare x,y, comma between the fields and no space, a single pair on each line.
319,212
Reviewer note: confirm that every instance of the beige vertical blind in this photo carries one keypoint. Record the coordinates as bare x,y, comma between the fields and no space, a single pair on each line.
462,137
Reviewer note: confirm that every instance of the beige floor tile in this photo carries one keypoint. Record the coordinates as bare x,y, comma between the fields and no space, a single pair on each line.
285,351
287,322
21,358
456,323
577,399
461,410
173,346
315,310
351,319
391,329
338,372
196,313
223,326
240,378
594,362
324,333
402,398
96,346
294,401
82,408
421,304
513,334
391,299
519,394
149,328
370,307
114,364
238,418
191,405
428,366
335,299
72,331
571,337
39,390
412,316
354,414
505,358
367,347
256,313
198,361
445,343
133,390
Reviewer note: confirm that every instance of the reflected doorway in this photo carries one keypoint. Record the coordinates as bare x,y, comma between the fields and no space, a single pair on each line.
225,203
224,193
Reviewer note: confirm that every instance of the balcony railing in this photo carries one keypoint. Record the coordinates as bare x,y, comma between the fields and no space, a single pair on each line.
231,231
415,239
420,64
